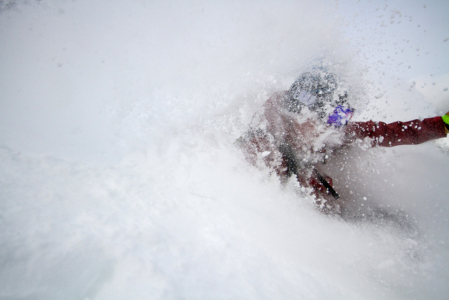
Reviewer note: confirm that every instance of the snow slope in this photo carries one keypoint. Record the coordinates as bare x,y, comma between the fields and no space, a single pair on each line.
119,178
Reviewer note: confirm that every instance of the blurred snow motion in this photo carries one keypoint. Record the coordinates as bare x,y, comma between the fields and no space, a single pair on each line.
119,177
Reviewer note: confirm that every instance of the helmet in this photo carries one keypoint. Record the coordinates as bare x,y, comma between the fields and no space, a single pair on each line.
316,90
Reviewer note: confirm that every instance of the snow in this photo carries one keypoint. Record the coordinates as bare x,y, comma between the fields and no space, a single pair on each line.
119,176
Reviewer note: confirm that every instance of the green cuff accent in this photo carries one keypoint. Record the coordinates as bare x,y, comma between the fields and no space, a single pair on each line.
446,119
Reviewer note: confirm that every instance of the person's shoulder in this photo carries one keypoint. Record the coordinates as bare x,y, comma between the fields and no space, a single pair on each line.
278,95
276,99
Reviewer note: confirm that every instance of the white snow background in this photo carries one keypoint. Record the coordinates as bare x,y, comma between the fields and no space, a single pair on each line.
119,178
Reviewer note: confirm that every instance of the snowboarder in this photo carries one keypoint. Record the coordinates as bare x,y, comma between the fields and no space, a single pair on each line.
300,128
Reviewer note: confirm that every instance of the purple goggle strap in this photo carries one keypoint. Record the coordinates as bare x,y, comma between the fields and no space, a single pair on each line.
340,116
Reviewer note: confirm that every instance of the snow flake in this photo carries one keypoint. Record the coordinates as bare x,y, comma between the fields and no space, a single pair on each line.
265,153
381,139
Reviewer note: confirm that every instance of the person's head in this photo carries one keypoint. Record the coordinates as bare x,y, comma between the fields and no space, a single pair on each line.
318,91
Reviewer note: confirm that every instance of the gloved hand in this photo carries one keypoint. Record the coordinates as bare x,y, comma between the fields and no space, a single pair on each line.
446,121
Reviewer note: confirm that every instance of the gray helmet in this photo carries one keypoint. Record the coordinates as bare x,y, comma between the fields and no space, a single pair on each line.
314,90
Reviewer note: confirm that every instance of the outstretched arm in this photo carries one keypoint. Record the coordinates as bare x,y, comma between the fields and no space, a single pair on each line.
398,133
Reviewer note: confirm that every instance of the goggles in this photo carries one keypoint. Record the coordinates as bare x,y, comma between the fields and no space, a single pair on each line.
304,97
340,116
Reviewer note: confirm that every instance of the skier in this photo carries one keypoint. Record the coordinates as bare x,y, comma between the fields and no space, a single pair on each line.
300,128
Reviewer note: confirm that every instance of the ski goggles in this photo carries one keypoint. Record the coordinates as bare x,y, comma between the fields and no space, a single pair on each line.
304,97
340,116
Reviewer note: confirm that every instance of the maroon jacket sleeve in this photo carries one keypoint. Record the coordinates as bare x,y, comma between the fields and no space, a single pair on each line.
397,133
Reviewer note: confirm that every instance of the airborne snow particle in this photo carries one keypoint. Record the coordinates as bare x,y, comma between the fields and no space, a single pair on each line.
265,153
